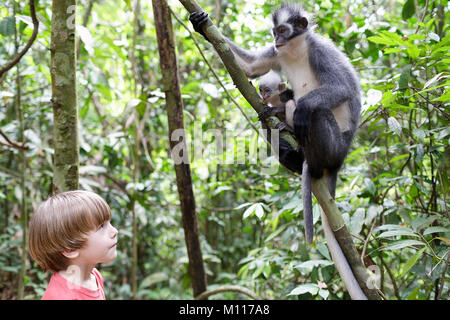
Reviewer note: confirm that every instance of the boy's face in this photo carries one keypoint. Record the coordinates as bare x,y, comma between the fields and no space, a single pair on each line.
100,245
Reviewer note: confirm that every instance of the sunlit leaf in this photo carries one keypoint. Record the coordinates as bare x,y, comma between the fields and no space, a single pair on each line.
411,262
311,288
402,244
435,230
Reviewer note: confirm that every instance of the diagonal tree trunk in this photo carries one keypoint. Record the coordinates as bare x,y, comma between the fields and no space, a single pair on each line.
174,108
64,95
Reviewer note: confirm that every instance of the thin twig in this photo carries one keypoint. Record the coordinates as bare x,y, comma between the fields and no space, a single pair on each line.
363,253
213,72
228,288
12,144
443,277
16,60
391,276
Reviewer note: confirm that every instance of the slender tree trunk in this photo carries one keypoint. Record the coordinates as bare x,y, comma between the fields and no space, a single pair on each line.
174,107
22,165
64,95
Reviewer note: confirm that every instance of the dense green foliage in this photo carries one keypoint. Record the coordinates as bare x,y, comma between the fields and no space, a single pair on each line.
392,189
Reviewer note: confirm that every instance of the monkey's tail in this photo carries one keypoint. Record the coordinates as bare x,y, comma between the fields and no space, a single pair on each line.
307,203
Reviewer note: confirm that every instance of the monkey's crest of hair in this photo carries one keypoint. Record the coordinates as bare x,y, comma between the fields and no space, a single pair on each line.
294,8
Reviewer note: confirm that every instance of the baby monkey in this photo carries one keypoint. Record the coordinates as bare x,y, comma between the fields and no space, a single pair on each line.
279,98
280,101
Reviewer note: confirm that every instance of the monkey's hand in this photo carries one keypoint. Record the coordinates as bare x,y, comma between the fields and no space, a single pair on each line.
302,119
267,112
282,126
198,19
271,111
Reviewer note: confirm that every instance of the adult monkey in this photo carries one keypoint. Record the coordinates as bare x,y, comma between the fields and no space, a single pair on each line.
326,91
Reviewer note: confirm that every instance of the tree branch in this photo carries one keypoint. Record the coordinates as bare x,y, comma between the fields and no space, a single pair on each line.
228,288
12,144
16,60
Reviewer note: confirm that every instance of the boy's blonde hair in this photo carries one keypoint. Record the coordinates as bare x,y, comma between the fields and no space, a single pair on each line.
62,223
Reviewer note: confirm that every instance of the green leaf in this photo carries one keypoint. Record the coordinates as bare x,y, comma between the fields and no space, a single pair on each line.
152,279
254,208
444,97
411,262
370,186
395,233
413,51
259,211
311,288
275,233
267,270
408,9
400,157
391,227
243,205
384,38
86,37
357,221
395,126
432,80
323,249
249,211
435,230
404,77
402,244
310,264
324,293
7,26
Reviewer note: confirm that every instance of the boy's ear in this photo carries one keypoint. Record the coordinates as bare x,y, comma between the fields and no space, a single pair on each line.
71,254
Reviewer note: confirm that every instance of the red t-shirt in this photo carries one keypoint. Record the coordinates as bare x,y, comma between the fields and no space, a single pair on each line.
59,288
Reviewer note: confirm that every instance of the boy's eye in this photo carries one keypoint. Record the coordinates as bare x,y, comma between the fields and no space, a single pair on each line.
101,226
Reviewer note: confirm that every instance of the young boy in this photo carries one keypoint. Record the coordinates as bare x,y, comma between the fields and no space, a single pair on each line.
69,234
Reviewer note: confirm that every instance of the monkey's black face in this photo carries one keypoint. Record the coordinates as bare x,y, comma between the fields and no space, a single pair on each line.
266,93
282,34
288,23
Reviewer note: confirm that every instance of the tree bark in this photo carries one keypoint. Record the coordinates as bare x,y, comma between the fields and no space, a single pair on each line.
64,95
174,108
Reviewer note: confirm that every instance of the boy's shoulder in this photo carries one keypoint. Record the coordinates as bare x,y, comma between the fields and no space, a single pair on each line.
58,289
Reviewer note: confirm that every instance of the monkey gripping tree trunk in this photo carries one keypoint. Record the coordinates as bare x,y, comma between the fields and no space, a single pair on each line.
337,225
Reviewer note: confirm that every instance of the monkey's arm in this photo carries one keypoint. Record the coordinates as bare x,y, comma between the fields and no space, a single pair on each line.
254,63
271,111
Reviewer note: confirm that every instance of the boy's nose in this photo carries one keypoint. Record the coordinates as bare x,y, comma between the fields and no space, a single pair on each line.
114,232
